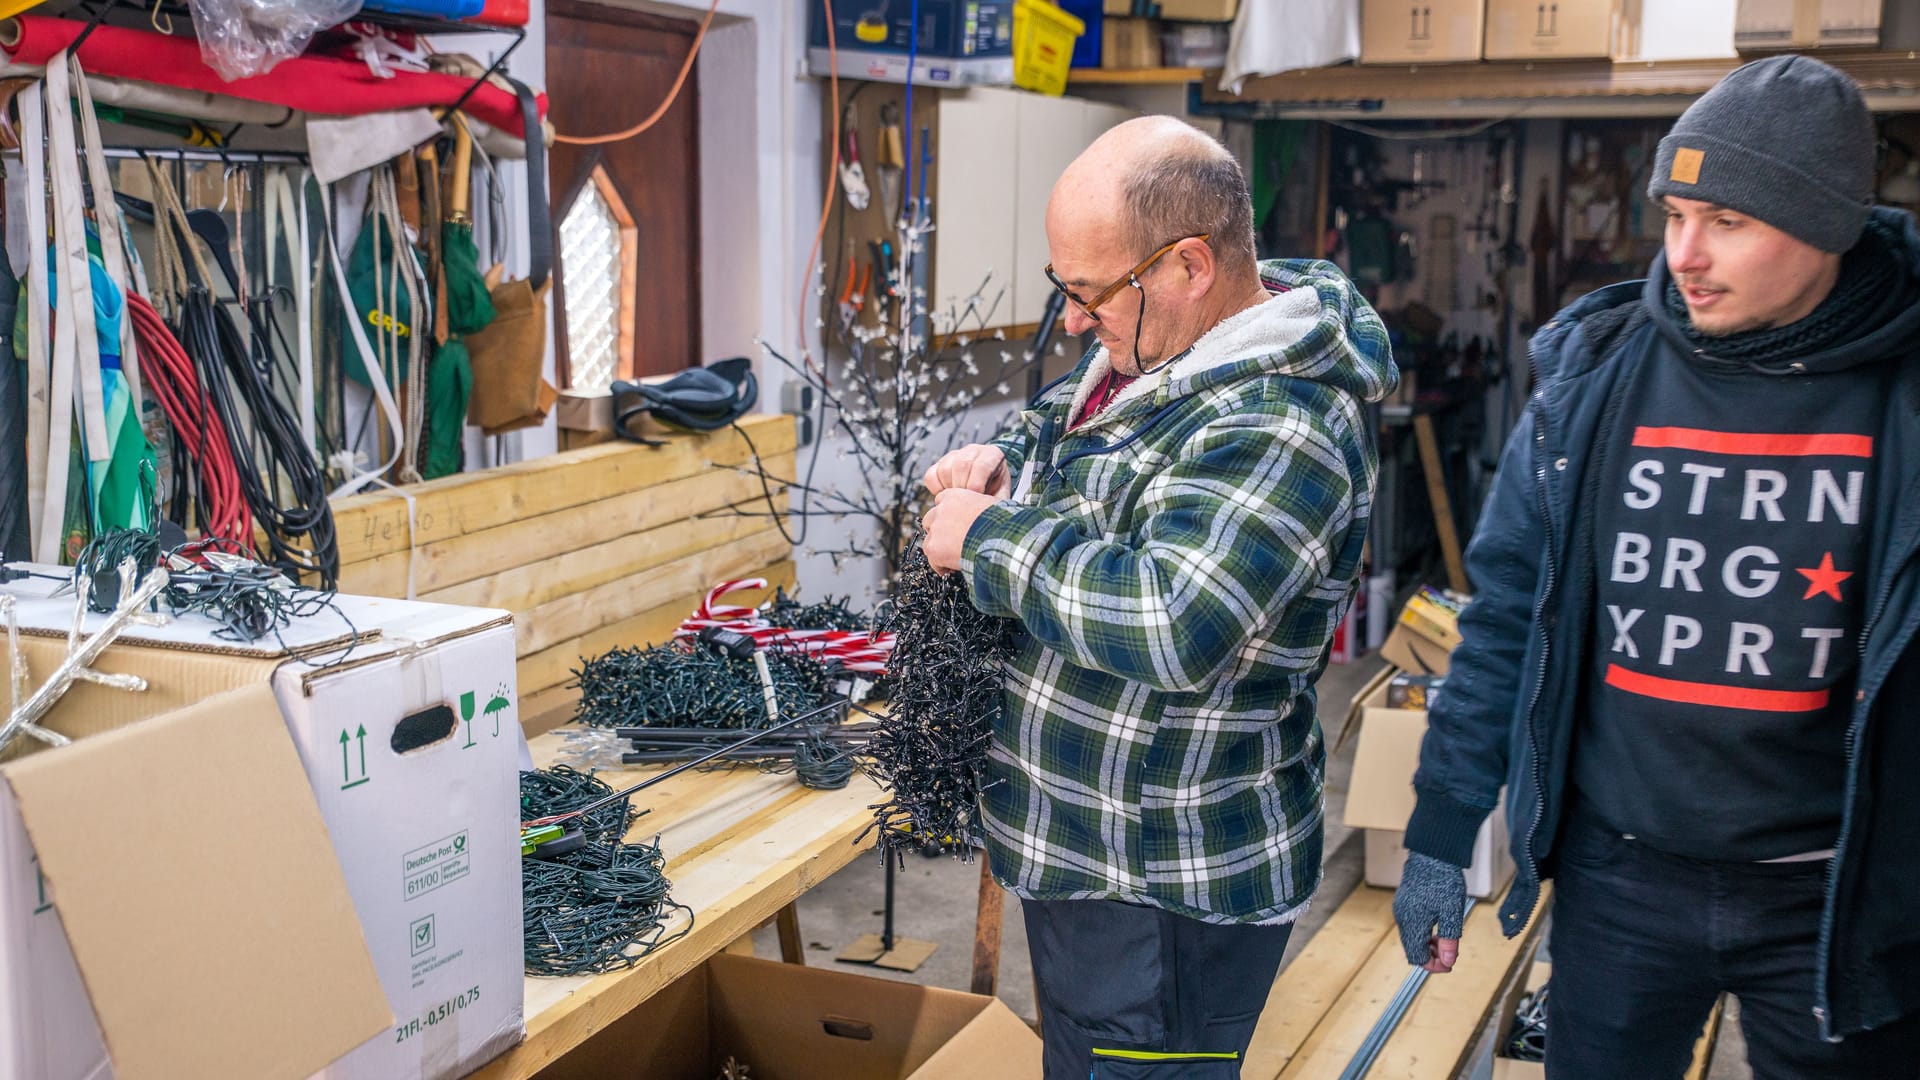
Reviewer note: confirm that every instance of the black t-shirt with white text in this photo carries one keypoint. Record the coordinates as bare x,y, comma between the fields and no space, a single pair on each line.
1730,539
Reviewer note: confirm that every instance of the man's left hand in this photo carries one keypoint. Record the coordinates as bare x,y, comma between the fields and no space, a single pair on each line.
954,512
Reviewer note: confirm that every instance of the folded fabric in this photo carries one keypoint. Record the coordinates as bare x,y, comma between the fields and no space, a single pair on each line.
315,84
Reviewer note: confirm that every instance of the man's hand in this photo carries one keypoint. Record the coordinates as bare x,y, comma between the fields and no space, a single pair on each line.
954,512
977,467
1430,907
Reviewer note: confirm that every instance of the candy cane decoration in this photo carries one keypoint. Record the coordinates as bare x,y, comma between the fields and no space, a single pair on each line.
856,650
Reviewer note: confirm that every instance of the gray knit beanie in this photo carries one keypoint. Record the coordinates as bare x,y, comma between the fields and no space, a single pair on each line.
1787,140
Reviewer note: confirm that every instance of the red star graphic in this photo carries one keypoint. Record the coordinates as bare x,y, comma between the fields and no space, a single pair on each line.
1824,578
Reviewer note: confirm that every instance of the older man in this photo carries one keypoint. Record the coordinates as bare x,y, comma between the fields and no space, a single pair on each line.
1177,526
1690,654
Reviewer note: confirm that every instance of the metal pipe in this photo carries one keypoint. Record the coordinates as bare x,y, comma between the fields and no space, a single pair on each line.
1390,1017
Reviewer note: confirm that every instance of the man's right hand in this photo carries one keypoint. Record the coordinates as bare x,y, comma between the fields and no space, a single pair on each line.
977,467
1430,907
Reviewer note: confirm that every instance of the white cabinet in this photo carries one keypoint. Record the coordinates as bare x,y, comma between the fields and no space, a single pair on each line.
999,153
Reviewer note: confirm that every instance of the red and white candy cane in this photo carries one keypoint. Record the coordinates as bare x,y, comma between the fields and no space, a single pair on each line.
855,650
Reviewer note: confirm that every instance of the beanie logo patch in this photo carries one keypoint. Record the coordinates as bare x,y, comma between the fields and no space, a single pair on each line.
1686,165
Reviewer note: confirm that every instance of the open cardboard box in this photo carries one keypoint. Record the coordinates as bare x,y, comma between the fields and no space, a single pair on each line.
261,838
789,1022
1506,1068
184,893
1380,799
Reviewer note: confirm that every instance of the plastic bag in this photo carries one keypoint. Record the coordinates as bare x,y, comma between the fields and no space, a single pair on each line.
240,38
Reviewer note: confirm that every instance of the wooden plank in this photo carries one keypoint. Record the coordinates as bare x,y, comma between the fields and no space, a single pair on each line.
1442,505
544,710
577,613
530,540
787,924
1709,1038
554,666
376,523
986,932
1444,1023
1891,70
1153,76
536,582
1316,977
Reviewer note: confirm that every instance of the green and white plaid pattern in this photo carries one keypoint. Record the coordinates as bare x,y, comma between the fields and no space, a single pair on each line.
1179,564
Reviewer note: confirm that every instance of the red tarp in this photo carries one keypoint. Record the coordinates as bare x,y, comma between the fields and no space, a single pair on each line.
315,84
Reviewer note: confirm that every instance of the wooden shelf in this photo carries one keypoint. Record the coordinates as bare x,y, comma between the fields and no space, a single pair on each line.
1160,76
1523,79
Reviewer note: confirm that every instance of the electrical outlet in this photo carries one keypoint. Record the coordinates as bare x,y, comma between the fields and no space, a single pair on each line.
797,400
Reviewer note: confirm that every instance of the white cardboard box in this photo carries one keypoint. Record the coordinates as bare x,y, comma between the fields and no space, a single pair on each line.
47,1029
426,839
413,751
1380,799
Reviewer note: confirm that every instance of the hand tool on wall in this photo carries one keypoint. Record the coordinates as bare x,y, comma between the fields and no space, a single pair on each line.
889,159
852,177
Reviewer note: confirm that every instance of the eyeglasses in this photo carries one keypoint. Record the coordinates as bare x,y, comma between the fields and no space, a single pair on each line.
1088,307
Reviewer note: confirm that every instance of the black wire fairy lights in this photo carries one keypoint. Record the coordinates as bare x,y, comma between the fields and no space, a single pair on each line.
947,678
248,599
682,684
828,614
602,907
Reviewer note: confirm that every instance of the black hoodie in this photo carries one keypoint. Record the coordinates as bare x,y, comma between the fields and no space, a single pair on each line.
1730,534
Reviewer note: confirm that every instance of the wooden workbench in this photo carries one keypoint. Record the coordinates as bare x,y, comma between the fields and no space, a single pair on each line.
1328,998
740,846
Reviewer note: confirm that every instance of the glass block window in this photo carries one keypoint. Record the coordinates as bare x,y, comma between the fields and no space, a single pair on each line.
597,253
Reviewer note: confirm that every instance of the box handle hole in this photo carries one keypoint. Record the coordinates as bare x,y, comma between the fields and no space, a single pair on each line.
423,729
842,1028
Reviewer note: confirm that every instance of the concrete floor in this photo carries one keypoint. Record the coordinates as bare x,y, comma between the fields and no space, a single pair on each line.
935,901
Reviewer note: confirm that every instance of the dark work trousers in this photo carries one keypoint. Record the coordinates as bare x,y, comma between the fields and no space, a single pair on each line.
1135,993
1643,942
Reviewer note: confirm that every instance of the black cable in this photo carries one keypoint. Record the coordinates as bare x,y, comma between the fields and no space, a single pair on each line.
946,676
283,486
601,907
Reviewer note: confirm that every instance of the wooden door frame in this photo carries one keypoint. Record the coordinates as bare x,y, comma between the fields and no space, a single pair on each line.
585,11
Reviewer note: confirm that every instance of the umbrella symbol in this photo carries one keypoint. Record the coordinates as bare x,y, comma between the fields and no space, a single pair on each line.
499,704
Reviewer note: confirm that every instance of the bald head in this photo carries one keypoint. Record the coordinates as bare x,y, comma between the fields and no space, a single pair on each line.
1159,179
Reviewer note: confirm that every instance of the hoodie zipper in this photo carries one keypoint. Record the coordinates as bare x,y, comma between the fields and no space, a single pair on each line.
1823,953
1538,405
1546,643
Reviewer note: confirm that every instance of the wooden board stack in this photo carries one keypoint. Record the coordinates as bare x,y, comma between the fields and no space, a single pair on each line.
591,548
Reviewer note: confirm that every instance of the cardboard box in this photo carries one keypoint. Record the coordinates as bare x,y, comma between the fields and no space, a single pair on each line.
188,913
413,749
1425,635
1806,24
1444,31
1201,45
1128,44
440,817
585,418
1561,29
1179,10
1410,651
1661,30
1380,800
791,1022
955,29
1506,1068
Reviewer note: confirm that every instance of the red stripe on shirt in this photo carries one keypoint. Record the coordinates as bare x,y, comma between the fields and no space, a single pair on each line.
1723,697
1734,442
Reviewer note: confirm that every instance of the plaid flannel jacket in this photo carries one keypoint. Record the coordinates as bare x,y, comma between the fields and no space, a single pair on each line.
1179,563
